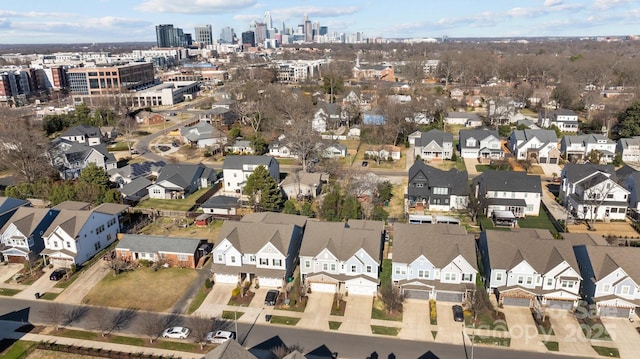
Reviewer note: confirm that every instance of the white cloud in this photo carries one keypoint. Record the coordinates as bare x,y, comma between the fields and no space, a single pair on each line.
313,11
194,6
608,4
548,3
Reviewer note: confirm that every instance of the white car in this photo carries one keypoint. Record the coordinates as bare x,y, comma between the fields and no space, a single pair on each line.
176,332
220,336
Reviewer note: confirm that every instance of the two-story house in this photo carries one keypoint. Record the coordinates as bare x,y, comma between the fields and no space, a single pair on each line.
75,236
565,120
629,148
467,119
434,261
8,206
85,134
203,135
580,147
540,146
434,189
591,192
281,148
511,191
434,145
611,279
484,144
236,170
328,117
21,236
69,158
342,257
176,181
265,253
529,268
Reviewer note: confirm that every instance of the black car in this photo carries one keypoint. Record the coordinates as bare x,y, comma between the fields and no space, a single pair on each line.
271,297
58,274
458,313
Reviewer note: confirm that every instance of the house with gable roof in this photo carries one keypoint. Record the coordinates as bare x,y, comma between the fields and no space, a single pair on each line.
435,189
565,120
529,268
8,206
176,181
484,144
511,191
611,279
540,146
338,257
434,145
434,261
261,249
629,148
85,134
21,236
579,147
174,251
75,235
203,135
236,170
69,158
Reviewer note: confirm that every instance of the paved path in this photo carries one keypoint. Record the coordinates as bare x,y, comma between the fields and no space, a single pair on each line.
470,164
215,301
75,293
357,316
416,323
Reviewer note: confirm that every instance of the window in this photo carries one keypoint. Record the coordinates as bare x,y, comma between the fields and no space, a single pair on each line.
183,257
307,264
440,190
333,267
233,259
566,284
549,281
498,276
252,258
368,269
419,185
529,280
97,246
277,262
606,288
264,261
520,279
220,258
450,276
625,289
68,244
353,268
610,196
325,267
466,277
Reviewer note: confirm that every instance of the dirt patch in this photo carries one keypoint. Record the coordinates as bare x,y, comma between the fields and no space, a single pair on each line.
613,229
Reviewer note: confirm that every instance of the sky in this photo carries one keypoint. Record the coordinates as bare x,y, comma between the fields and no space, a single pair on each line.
88,21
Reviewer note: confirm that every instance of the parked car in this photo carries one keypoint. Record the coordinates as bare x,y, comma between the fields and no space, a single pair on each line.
58,274
220,336
458,313
175,144
135,152
365,163
271,297
176,332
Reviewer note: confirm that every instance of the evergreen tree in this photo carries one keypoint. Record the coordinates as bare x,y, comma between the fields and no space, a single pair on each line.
332,205
307,210
351,208
629,121
263,190
290,207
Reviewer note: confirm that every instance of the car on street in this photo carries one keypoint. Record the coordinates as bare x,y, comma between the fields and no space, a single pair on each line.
135,152
458,313
271,297
175,144
58,274
176,332
220,336
365,163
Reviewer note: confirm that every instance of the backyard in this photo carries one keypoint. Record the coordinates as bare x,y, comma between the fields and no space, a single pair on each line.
165,226
143,288
173,204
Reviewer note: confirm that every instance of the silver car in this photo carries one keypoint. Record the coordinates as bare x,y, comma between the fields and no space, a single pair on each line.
176,333
220,336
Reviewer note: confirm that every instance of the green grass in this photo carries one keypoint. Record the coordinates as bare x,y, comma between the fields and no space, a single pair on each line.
231,315
120,146
18,350
486,320
434,333
77,334
378,329
66,283
118,339
385,275
487,223
606,351
541,221
49,296
378,311
6,292
334,325
279,319
483,339
482,168
178,346
592,328
197,300
552,346
173,204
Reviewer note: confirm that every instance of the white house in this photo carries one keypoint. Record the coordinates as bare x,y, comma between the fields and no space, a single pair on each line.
342,257
75,236
629,148
434,261
334,150
85,134
565,120
21,236
483,143
540,146
281,148
467,119
177,181
580,147
433,145
203,135
383,152
529,268
511,191
303,184
236,170
611,279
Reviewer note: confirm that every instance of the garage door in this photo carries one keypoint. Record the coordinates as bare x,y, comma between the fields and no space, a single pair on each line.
62,263
417,294
323,288
559,304
361,289
516,302
614,312
449,297
553,160
543,160
225,278
270,282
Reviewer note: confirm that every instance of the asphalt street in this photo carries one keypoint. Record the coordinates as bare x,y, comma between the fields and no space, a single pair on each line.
347,346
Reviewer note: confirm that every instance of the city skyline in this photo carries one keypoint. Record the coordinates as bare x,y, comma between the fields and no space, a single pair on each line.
67,21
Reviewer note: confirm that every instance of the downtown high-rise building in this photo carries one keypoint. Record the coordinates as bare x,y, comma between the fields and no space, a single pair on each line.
307,29
204,35
169,36
267,20
226,35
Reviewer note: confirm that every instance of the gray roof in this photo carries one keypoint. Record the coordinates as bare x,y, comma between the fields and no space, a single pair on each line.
624,143
135,186
250,237
439,243
587,138
435,135
510,181
221,202
302,177
201,131
9,203
605,259
536,246
478,134
342,241
74,205
69,220
575,172
83,130
236,162
461,114
111,208
365,224
136,170
184,174
456,180
544,136
230,349
27,219
157,244
275,218
564,112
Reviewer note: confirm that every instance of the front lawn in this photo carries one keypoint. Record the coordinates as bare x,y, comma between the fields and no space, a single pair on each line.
482,168
392,331
378,311
143,289
334,325
279,319
606,351
197,300
339,306
7,292
19,349
239,300
552,346
49,296
593,328
482,339
231,315
490,320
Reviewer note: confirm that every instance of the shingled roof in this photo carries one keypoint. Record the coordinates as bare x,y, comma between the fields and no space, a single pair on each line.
341,240
156,244
27,219
250,237
510,181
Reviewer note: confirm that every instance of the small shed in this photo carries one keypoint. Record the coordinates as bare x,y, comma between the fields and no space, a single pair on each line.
203,220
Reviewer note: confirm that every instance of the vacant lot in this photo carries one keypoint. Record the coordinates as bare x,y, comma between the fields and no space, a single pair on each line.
142,288
615,229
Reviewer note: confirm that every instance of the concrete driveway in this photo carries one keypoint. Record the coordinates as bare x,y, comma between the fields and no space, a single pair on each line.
42,285
470,164
75,293
624,335
416,323
258,298
550,168
316,314
522,329
213,304
449,331
357,316
9,270
568,333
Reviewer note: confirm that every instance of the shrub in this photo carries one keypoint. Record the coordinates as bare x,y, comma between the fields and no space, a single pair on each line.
236,291
145,263
433,314
208,283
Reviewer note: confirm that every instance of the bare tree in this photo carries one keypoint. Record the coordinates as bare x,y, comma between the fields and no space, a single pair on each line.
151,325
593,193
200,327
392,297
23,149
284,350
101,319
55,314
